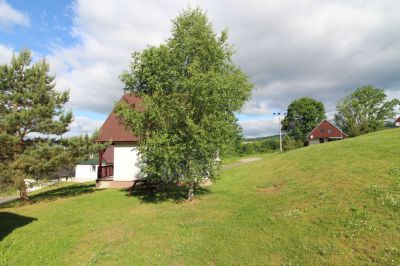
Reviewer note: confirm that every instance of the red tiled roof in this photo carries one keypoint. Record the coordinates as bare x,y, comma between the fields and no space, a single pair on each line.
113,128
321,131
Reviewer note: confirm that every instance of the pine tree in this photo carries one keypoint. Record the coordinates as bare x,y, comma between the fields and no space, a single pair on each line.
31,117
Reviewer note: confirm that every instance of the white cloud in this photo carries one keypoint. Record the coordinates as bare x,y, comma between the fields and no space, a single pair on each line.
83,125
260,128
10,16
108,32
5,54
321,49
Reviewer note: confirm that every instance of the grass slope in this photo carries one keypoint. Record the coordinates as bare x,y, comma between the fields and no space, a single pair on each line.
336,203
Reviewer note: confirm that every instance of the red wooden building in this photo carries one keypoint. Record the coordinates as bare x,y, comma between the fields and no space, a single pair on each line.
324,132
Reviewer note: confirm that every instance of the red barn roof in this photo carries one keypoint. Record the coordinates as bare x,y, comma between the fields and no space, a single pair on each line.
113,128
326,129
397,120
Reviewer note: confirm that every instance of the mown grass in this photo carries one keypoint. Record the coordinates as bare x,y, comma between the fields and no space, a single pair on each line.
330,204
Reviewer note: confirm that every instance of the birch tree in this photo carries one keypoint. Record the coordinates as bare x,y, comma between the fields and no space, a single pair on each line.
190,90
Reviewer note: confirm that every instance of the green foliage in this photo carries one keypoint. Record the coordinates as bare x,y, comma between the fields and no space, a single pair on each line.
365,110
77,149
190,89
302,116
31,115
289,143
264,146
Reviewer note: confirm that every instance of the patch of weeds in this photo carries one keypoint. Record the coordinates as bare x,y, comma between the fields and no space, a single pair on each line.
181,248
322,198
394,172
326,249
293,213
358,222
391,256
322,195
245,212
389,197
101,255
376,190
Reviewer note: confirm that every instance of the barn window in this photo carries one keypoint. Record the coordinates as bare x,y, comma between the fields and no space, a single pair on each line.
329,130
93,168
321,130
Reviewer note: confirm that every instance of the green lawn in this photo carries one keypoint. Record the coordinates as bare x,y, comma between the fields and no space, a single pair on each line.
336,203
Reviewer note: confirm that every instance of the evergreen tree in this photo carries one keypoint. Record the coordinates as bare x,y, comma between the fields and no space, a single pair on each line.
31,115
190,89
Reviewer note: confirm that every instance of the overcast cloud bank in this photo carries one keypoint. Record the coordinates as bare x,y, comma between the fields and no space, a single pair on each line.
290,49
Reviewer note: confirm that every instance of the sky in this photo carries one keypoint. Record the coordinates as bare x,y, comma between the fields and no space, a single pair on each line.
321,49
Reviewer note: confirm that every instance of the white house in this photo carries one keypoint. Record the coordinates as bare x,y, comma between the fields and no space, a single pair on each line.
125,168
87,170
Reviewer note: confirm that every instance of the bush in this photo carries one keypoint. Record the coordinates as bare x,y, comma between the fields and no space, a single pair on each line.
291,144
259,147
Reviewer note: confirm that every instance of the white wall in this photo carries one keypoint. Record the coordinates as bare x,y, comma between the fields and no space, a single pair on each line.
85,172
313,142
126,162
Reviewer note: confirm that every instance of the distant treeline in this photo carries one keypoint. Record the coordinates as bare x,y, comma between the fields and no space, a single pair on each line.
253,146
275,137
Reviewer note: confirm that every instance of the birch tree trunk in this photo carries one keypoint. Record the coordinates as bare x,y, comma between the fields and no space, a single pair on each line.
191,192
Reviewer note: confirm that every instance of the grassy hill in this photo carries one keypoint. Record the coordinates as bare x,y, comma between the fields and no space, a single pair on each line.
336,203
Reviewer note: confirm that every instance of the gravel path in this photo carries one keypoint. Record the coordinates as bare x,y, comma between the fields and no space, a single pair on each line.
242,161
7,199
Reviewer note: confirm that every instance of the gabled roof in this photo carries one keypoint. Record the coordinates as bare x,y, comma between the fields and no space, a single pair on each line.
108,155
113,128
108,158
325,124
397,120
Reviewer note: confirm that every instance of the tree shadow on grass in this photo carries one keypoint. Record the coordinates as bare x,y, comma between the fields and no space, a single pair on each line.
11,221
56,193
162,193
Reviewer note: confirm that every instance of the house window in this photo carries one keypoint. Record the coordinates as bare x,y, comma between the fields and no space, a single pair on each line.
321,130
329,130
93,168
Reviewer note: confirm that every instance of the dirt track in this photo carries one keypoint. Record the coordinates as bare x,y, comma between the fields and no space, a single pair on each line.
242,161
